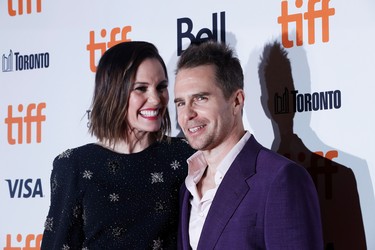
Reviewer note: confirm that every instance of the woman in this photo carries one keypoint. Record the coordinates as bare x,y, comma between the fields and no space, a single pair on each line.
121,192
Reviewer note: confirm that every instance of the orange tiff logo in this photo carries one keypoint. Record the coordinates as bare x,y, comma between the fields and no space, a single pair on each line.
30,238
312,13
117,36
13,12
17,121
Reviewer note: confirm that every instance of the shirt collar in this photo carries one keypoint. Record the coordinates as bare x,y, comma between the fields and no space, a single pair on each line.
197,163
224,165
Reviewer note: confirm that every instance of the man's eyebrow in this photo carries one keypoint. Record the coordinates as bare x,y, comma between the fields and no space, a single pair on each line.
178,100
201,94
192,96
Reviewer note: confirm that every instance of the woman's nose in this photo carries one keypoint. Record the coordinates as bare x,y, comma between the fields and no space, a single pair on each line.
154,97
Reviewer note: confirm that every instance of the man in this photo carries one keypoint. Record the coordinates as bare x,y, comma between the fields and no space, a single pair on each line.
238,194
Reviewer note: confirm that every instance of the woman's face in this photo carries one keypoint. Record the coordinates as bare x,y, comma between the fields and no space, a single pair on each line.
148,99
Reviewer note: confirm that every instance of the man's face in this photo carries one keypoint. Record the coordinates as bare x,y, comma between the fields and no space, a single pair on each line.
205,116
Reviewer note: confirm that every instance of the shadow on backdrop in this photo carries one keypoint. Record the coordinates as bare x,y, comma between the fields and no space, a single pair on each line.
336,184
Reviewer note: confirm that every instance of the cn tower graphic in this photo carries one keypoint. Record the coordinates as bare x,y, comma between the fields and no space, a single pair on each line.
282,102
7,62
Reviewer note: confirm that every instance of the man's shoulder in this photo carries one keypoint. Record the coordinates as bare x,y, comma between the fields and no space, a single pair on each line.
275,164
264,154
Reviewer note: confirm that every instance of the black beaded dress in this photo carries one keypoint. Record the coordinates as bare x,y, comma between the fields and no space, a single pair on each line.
101,199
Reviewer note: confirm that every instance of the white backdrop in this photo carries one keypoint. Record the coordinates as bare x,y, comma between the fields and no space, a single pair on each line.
46,83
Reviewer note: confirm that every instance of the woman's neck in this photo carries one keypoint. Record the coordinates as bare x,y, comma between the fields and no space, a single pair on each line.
135,143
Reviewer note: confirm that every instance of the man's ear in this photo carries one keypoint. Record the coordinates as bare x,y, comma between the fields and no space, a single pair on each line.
238,101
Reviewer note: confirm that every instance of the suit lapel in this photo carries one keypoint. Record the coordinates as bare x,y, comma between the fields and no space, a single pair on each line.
229,194
185,217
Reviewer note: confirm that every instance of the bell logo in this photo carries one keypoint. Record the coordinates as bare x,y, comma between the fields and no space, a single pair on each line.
94,46
310,16
29,5
203,34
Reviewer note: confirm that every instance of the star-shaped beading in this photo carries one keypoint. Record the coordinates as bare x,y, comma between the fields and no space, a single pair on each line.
114,197
113,166
117,232
157,177
87,174
65,247
157,244
48,224
65,154
175,165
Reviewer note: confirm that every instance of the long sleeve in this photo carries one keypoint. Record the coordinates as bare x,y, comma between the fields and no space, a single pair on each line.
64,223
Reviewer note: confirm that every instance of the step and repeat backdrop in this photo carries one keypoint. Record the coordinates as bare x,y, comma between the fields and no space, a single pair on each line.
309,83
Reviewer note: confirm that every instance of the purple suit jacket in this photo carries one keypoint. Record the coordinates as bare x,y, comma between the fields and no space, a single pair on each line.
265,201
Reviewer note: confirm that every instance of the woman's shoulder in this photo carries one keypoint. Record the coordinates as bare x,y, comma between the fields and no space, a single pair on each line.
74,153
177,144
178,140
174,141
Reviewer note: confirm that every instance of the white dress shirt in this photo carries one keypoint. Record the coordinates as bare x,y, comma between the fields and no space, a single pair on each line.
200,207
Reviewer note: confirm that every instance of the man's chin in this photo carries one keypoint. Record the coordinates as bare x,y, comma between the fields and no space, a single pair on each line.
194,144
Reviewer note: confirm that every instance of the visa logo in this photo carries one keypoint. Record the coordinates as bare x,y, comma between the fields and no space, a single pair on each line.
25,188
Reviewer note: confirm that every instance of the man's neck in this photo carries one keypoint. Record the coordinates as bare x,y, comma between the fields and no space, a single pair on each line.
215,155
206,183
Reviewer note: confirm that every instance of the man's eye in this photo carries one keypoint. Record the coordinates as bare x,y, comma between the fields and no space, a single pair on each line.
179,104
201,98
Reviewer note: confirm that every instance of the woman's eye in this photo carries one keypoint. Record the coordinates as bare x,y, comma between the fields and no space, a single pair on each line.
162,87
141,88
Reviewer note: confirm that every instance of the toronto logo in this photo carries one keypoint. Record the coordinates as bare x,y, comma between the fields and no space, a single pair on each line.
15,61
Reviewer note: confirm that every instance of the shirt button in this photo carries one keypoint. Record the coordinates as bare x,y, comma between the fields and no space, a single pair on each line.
201,214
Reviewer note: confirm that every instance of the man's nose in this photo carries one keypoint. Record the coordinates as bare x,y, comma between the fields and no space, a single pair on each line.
189,112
